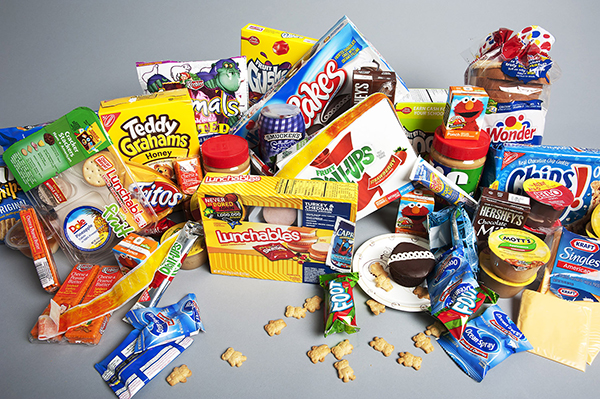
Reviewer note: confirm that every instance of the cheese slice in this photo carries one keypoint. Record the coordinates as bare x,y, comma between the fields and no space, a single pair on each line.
558,330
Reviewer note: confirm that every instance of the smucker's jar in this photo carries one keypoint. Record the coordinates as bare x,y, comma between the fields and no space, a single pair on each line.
226,153
460,160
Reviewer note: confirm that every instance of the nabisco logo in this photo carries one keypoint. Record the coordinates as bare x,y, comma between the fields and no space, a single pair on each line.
109,119
313,96
231,179
586,246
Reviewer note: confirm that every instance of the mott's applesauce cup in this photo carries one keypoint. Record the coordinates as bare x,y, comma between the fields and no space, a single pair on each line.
279,126
516,255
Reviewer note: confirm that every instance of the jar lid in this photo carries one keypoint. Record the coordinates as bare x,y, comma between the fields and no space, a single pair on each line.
464,150
225,151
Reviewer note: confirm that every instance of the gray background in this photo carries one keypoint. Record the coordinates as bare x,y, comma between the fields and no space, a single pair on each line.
57,55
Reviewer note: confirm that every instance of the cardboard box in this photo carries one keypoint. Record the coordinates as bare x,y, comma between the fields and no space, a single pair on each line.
320,84
421,113
152,130
367,145
270,54
464,112
413,212
272,228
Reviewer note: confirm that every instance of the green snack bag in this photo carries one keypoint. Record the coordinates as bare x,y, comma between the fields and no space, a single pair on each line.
340,313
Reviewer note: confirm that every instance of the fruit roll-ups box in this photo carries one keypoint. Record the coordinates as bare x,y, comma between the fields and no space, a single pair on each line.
70,293
273,228
91,332
320,83
75,178
270,54
366,145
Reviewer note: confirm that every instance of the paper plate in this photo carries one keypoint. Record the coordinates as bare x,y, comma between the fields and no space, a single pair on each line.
379,249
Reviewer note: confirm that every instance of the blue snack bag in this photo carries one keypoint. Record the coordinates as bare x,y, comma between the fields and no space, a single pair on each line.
127,372
486,342
160,325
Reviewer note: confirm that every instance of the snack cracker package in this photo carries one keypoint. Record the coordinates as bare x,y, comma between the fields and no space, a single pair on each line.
516,71
339,311
76,179
218,89
320,83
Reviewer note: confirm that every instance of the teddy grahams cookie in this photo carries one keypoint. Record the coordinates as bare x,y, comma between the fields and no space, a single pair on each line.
409,360
376,269
234,357
342,349
295,311
424,342
436,329
421,292
318,353
383,282
345,372
381,345
275,326
313,304
179,374
376,307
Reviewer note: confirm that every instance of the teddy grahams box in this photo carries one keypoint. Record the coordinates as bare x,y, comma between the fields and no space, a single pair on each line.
272,228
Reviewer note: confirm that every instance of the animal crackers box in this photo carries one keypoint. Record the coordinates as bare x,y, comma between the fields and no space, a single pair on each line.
278,229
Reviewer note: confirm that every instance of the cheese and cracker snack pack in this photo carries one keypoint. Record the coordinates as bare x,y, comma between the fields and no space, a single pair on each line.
76,179
218,89
272,228
270,54
320,83
152,130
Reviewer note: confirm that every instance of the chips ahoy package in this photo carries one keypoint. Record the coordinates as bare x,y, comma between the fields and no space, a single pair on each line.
320,83
510,164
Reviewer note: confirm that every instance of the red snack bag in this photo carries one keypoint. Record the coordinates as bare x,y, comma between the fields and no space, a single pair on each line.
274,251
188,173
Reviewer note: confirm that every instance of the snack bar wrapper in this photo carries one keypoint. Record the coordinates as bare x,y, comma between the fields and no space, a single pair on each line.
516,71
340,311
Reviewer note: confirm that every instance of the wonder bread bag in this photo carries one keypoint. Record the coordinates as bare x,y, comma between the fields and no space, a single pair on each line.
76,179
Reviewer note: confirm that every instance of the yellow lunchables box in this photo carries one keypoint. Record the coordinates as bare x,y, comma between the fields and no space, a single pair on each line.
270,53
278,229
153,129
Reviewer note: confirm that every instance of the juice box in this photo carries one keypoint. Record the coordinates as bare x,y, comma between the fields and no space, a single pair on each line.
153,129
421,113
270,53
272,228
413,212
464,112
133,250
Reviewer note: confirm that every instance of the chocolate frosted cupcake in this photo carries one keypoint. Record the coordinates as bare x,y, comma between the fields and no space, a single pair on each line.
409,264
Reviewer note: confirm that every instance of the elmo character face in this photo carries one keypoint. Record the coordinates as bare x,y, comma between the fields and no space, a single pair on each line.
470,108
417,213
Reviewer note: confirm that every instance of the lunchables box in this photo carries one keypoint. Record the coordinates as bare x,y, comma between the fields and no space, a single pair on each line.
218,89
320,83
152,130
270,53
421,112
76,179
279,229
464,112
367,145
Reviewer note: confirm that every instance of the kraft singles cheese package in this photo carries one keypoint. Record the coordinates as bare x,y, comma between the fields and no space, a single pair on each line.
320,83
510,164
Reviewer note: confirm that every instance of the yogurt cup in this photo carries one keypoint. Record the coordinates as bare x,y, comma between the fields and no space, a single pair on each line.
16,239
504,288
516,255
